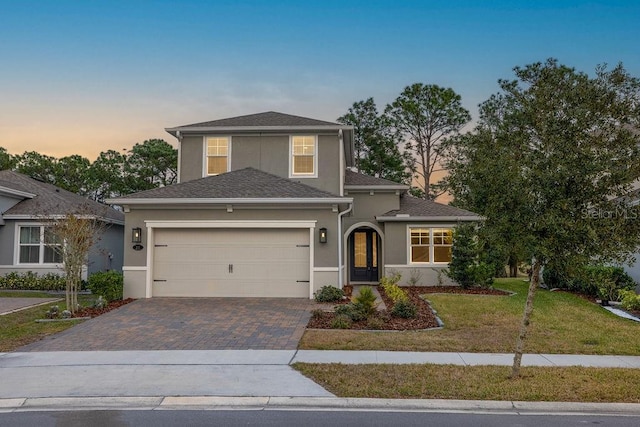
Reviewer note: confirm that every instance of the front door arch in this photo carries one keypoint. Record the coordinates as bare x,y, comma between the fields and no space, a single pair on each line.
364,255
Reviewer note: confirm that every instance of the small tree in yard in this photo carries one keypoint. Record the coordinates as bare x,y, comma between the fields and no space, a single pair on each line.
465,267
555,151
75,234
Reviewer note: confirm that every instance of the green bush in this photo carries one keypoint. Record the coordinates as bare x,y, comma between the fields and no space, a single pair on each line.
32,281
341,322
404,309
351,311
365,301
108,284
630,300
375,323
328,294
598,281
465,267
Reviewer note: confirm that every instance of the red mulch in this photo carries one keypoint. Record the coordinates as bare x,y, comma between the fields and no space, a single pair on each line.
383,320
94,312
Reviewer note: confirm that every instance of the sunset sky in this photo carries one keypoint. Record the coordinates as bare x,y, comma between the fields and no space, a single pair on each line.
81,77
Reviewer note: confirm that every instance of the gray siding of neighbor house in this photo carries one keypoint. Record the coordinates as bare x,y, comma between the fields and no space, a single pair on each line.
7,202
268,153
325,255
107,254
7,232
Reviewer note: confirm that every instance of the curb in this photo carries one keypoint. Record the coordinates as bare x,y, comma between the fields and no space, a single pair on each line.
313,403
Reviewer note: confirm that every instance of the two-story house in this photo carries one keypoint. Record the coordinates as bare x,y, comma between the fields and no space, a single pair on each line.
267,206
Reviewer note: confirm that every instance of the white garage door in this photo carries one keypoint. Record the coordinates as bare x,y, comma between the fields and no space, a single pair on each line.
231,263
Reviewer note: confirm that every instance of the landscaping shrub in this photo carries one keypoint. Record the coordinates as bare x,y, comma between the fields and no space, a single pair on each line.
328,294
390,287
352,311
598,281
404,309
108,284
32,281
365,301
341,322
629,300
375,323
465,267
317,313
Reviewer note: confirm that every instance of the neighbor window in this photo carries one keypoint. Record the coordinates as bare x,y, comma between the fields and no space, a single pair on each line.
303,156
38,245
430,245
217,155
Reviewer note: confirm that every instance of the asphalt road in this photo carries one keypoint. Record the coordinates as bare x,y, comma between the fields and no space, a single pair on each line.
159,418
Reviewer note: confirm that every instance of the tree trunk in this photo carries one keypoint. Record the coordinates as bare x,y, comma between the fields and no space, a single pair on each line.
528,309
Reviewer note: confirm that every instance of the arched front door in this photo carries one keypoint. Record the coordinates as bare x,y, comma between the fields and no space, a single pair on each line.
364,255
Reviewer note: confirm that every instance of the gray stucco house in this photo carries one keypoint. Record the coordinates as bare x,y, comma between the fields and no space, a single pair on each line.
26,205
266,205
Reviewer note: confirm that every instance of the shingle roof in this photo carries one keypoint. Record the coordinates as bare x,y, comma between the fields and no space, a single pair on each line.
359,179
51,200
247,183
267,119
412,208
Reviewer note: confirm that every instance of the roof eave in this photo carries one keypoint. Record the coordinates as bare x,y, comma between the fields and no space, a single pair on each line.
229,201
202,129
376,187
462,218
17,193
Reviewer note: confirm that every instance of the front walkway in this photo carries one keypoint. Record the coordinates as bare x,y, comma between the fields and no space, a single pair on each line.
189,324
11,305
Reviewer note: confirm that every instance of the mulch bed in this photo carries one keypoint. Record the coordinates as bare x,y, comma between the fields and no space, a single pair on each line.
94,312
383,320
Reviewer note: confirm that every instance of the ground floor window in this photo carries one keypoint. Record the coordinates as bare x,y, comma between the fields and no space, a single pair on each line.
429,245
38,245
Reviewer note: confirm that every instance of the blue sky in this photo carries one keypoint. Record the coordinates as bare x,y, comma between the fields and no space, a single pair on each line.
80,77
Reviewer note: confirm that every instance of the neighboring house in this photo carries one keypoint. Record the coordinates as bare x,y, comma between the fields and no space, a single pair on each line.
267,206
25,207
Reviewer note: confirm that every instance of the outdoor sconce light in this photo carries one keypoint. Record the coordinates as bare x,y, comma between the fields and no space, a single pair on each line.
323,235
136,235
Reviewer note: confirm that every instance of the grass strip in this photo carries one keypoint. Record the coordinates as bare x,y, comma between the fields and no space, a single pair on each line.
553,384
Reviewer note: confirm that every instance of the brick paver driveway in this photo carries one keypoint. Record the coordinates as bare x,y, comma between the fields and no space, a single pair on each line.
189,324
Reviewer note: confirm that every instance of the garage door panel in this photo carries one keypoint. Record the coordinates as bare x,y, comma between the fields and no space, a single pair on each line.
225,263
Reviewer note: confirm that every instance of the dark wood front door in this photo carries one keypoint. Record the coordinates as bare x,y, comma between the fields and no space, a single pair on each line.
364,256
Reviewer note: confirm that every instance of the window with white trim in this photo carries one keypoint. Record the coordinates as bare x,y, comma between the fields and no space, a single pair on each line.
217,155
38,245
304,160
430,245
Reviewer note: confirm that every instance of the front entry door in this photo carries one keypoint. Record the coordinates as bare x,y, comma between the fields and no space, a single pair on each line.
364,256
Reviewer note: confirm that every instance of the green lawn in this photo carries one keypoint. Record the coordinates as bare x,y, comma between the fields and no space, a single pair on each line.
20,328
567,384
561,323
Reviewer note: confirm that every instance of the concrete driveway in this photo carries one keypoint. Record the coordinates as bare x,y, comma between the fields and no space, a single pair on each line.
189,324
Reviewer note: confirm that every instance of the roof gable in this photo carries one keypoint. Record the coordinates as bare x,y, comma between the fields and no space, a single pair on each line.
247,183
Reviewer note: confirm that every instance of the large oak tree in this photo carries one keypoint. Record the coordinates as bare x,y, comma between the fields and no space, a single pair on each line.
552,157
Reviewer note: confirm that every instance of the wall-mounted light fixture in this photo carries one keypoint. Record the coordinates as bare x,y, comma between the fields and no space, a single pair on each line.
323,235
136,235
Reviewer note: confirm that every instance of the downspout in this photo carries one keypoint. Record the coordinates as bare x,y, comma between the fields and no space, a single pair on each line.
340,244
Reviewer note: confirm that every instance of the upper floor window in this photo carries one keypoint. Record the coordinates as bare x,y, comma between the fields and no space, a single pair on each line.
430,245
304,159
217,155
38,245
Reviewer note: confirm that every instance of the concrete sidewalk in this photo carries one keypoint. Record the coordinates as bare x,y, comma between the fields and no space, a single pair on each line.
246,379
247,373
